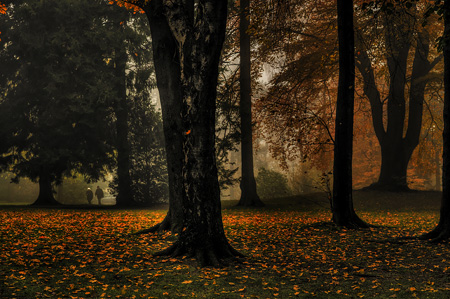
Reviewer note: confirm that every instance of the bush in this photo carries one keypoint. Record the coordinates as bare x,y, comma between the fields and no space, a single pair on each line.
272,184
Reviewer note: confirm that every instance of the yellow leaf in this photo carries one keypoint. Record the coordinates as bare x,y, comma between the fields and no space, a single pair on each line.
187,281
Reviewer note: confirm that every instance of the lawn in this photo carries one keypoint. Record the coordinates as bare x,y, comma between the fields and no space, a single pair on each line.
291,248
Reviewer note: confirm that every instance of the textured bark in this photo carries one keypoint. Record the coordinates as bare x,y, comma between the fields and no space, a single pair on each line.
199,43
342,201
124,196
249,195
442,231
46,196
167,69
397,148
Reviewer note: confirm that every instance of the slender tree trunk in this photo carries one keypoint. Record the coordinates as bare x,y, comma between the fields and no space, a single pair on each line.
442,231
342,202
46,196
437,171
167,69
249,196
125,196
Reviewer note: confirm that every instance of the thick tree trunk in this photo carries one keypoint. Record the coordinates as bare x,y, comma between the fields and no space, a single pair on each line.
442,231
397,148
249,195
394,164
342,201
199,38
124,196
46,196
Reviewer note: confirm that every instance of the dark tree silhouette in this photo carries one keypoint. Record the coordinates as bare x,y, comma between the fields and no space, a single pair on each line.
442,231
342,202
249,195
55,119
398,138
198,32
167,69
124,196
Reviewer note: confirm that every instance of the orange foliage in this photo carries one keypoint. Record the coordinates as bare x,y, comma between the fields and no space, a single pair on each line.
2,11
366,149
90,254
128,4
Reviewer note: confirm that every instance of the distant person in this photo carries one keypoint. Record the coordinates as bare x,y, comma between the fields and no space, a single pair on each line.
99,194
89,195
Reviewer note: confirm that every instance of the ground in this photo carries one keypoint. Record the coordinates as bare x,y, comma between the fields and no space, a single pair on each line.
292,251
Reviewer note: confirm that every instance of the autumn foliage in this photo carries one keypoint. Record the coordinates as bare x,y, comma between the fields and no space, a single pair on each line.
292,250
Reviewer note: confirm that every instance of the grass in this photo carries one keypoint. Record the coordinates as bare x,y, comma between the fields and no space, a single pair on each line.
292,251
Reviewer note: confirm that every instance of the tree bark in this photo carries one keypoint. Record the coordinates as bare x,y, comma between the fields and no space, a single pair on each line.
167,68
342,201
46,196
199,35
249,195
124,196
442,231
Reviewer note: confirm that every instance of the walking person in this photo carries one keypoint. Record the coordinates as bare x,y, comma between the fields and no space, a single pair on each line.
89,195
99,194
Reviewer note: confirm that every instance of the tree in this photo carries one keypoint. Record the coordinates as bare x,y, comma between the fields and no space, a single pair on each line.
249,196
342,202
141,170
198,31
295,109
442,231
167,70
129,45
53,108
397,138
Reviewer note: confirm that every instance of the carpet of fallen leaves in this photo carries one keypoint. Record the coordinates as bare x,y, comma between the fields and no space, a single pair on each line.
50,253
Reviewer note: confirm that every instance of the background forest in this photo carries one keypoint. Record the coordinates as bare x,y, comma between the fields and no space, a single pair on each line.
92,87
245,148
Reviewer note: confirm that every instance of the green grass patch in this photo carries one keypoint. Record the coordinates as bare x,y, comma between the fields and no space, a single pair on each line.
292,251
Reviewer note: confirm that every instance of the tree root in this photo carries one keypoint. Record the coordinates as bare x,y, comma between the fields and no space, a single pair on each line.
163,226
438,235
206,255
353,223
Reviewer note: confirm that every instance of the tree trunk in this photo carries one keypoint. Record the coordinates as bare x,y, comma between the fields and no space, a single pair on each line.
249,196
396,150
46,196
342,202
124,196
167,69
394,164
437,172
200,37
442,231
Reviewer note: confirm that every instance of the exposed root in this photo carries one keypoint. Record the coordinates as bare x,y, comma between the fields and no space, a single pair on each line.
353,223
207,255
438,235
168,251
163,226
431,235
